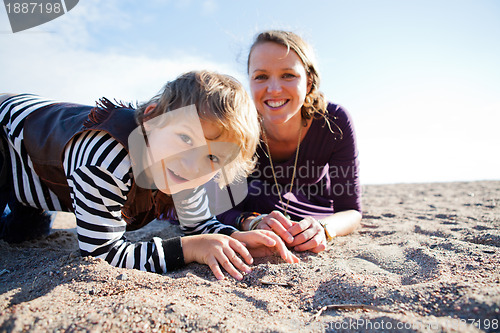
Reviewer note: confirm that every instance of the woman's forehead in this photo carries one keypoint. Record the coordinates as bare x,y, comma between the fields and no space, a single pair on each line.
269,55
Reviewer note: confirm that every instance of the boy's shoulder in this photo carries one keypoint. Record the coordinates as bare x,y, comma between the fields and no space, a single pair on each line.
5,96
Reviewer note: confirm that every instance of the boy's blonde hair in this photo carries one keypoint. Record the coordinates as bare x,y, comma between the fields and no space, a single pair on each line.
220,99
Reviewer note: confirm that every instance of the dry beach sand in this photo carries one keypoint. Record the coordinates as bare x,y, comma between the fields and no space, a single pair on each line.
426,259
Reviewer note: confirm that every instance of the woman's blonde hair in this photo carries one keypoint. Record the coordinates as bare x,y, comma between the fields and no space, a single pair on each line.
315,102
220,99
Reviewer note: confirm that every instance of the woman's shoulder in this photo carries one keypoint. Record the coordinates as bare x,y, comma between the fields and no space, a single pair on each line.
337,112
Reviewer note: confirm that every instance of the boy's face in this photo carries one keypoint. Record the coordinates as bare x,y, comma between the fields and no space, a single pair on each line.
186,151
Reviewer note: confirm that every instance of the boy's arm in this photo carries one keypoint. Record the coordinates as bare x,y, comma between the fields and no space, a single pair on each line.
97,198
99,174
195,217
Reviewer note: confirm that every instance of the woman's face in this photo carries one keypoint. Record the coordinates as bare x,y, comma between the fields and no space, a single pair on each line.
186,152
278,82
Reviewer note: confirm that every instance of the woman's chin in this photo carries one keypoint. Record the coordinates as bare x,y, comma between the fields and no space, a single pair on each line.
277,119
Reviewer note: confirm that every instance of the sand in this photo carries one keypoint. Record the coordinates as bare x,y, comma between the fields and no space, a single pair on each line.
426,259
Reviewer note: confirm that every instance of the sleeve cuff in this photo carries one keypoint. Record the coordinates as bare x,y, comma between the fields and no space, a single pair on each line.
227,230
174,257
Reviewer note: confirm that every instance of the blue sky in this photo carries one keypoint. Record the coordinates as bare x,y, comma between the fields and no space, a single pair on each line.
420,78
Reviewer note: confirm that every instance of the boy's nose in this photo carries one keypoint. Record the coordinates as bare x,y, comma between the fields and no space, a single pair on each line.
191,166
191,162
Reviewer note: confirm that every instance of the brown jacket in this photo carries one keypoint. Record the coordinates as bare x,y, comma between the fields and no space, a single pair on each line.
48,130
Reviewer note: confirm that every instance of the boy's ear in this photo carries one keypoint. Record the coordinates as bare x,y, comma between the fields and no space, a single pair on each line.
148,110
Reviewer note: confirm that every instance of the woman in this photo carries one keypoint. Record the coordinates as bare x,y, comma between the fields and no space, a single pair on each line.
118,168
306,186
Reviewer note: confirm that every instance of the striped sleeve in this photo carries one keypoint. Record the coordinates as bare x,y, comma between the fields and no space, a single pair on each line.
194,214
98,170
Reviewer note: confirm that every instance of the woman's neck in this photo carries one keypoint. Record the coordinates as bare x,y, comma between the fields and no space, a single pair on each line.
285,132
283,139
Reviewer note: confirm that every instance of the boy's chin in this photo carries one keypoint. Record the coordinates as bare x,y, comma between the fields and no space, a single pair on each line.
176,189
189,185
171,191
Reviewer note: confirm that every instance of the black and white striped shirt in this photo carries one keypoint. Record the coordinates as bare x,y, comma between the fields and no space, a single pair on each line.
99,174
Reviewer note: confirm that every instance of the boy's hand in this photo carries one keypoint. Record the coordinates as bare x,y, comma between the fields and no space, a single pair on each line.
262,243
217,250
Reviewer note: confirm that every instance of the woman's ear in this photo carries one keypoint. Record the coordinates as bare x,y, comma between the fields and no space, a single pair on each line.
309,84
147,111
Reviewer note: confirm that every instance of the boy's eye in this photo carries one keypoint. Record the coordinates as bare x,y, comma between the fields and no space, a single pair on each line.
186,138
213,158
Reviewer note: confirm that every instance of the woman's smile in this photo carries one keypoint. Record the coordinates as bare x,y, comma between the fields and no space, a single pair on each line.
276,103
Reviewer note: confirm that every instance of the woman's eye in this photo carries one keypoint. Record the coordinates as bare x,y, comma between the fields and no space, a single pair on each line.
260,77
288,76
213,158
186,138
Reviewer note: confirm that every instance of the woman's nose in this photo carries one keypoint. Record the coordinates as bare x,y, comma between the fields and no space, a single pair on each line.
274,86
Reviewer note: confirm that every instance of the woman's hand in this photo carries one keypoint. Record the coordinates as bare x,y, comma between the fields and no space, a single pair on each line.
262,243
217,250
309,235
306,235
277,222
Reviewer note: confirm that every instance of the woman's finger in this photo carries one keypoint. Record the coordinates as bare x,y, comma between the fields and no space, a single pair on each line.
279,229
312,243
320,248
299,227
304,237
264,226
281,218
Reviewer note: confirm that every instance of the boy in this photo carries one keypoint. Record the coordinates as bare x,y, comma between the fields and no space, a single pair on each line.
69,157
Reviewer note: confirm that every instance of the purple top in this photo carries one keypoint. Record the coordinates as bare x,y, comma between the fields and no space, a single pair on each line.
326,180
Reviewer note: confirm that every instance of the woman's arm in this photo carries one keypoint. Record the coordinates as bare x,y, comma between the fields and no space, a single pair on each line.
342,223
312,234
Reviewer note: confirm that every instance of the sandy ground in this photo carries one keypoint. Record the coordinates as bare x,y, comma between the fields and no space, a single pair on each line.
425,260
